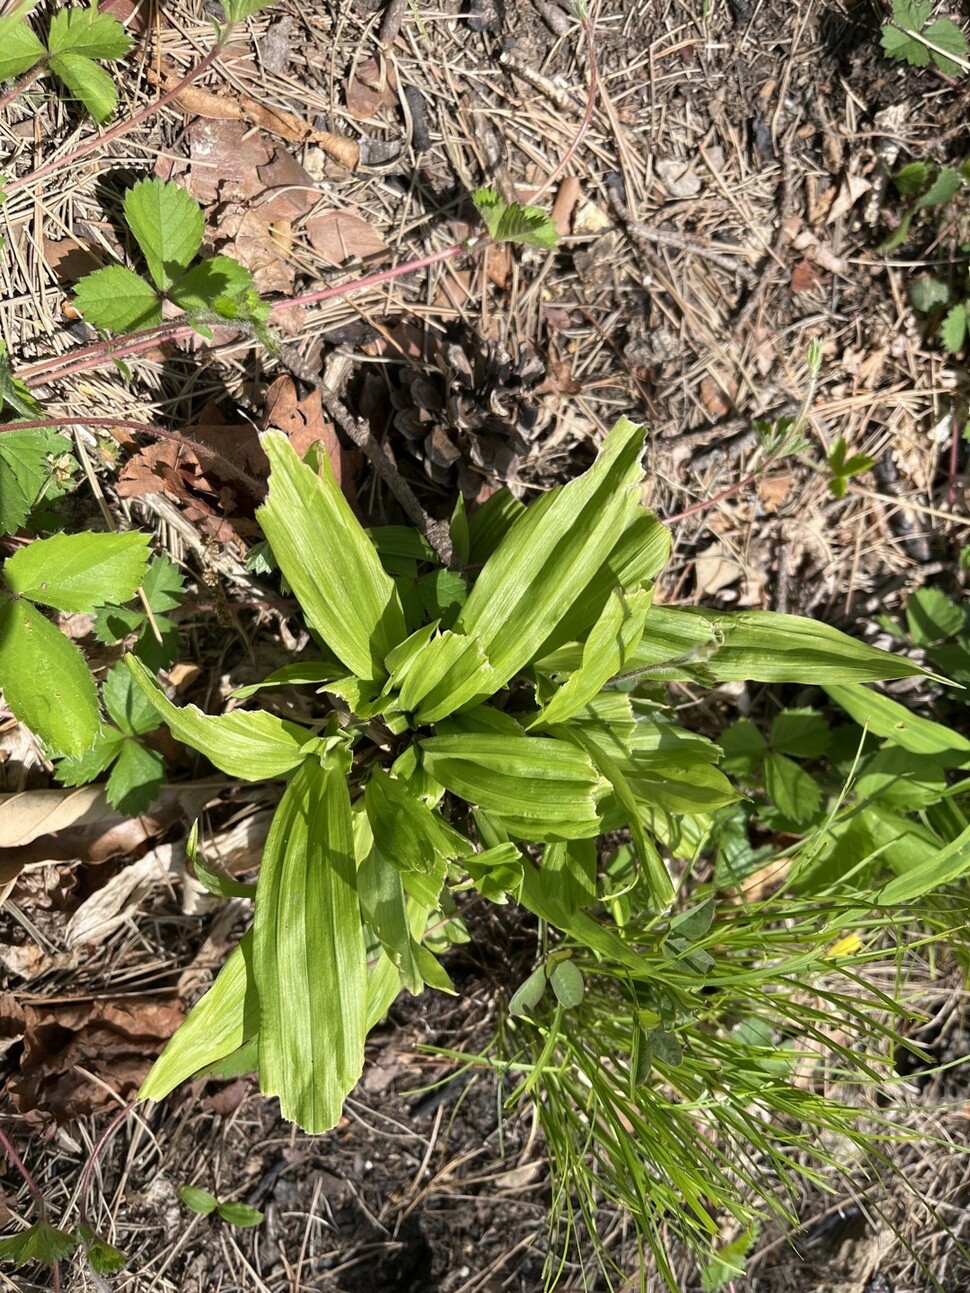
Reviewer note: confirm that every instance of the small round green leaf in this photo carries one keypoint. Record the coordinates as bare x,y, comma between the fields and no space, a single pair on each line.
200,1201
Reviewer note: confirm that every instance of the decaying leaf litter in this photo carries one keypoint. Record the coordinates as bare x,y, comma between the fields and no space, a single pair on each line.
731,195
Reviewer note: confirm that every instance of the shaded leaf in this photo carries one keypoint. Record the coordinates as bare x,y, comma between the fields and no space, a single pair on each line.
42,1243
90,83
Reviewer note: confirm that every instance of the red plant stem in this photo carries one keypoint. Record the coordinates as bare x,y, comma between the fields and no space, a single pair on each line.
587,115
29,1181
95,354
117,130
131,342
373,280
109,1131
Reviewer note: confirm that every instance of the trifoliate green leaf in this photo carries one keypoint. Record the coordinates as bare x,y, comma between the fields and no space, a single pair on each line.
79,572
220,281
505,222
87,32
104,1258
927,293
82,769
127,704
944,34
88,82
45,680
168,226
117,300
24,470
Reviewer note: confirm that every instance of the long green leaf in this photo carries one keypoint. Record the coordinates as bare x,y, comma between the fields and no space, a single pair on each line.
543,789
751,646
227,1016
950,864
887,718
329,562
308,951
613,636
249,744
45,681
543,566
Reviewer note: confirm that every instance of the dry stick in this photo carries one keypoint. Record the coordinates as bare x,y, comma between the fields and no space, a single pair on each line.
436,532
646,236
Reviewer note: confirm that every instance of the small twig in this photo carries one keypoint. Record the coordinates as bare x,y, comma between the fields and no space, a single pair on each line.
113,1125
647,237
436,532
391,22
587,114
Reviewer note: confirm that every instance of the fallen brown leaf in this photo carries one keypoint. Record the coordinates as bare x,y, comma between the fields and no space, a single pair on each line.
115,1041
341,234
371,87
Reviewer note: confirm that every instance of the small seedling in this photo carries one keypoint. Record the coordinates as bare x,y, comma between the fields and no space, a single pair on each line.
234,1214
844,466
931,187
168,225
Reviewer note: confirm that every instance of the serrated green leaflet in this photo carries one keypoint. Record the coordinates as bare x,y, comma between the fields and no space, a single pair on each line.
45,681
41,1243
79,572
226,1017
329,562
250,745
87,32
308,950
24,470
88,82
168,226
204,286
117,300
20,49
